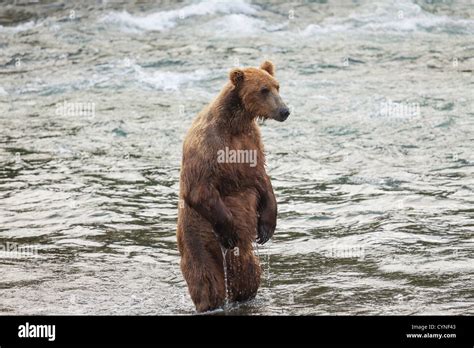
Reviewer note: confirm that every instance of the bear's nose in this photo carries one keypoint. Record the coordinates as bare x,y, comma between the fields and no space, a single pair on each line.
284,113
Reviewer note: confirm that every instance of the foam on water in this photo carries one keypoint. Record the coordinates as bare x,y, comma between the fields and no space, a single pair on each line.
159,21
18,28
240,25
395,17
235,25
169,80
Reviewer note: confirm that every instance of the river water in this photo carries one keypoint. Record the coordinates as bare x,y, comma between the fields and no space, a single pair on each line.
373,170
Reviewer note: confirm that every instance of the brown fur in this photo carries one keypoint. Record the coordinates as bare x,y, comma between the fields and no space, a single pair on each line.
229,204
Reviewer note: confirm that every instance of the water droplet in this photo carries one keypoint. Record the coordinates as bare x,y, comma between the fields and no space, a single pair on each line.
224,264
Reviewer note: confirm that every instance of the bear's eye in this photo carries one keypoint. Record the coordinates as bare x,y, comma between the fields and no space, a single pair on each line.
264,90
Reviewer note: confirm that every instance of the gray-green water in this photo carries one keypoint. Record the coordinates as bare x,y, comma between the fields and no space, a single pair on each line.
373,171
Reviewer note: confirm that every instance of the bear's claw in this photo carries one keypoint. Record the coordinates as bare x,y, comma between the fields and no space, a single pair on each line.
228,242
265,232
226,236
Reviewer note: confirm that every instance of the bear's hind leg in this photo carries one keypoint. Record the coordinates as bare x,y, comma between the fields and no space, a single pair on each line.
243,267
205,283
244,274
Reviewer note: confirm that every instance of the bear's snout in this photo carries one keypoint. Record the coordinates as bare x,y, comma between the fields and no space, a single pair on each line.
283,113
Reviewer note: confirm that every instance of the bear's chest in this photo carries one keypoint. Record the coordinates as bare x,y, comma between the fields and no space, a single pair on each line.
240,161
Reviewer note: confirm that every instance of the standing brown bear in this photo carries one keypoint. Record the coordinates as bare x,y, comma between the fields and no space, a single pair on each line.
226,197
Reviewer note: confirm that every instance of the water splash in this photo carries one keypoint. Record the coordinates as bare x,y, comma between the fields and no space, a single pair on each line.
224,265
163,20
257,251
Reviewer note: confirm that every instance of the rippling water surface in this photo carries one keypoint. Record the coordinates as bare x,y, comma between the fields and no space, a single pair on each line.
373,171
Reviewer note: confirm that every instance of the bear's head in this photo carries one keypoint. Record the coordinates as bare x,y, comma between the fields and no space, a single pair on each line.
258,91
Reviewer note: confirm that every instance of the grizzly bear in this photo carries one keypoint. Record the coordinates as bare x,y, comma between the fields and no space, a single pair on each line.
226,197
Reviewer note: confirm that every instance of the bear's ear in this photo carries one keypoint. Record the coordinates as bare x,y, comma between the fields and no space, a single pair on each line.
236,76
268,67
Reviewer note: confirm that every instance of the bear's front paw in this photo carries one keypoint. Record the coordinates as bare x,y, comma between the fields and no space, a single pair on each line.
226,235
265,231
